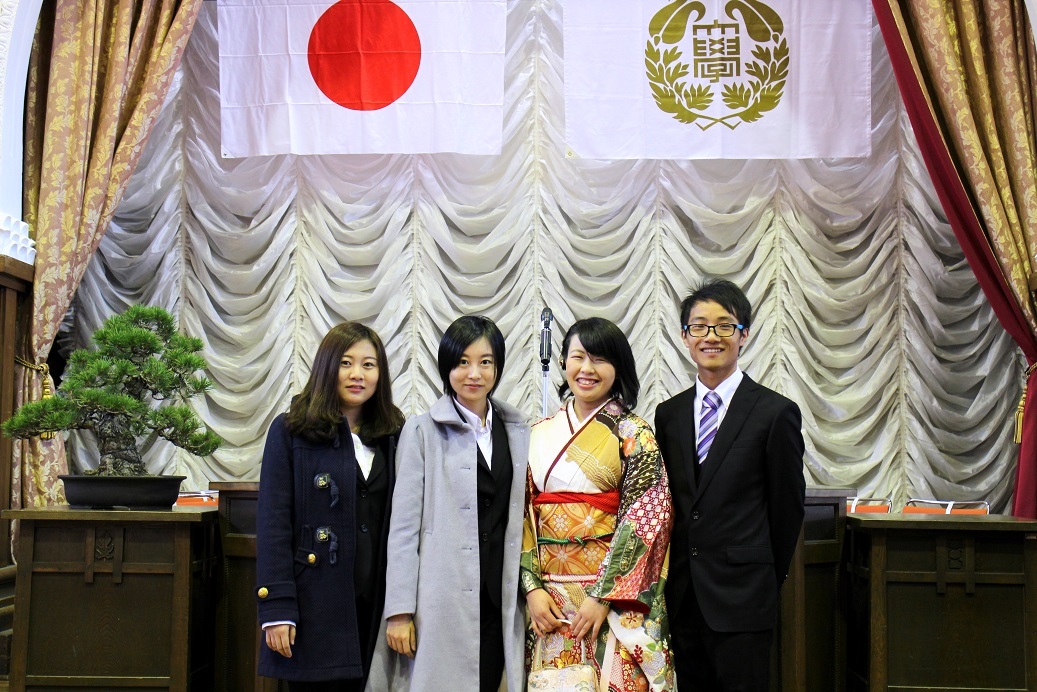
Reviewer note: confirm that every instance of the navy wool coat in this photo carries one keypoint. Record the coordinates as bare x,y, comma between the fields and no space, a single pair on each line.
306,527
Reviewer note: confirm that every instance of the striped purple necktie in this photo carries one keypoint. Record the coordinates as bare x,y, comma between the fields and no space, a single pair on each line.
708,424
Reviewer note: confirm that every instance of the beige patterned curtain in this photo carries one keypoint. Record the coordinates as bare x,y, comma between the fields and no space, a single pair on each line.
979,60
93,95
976,66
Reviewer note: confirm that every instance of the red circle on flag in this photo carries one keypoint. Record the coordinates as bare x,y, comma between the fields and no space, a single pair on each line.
364,54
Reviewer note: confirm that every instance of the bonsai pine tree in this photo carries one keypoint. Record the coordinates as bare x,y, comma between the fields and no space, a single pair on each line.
140,360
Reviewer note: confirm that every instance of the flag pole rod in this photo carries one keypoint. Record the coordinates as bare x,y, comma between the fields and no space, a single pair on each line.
545,387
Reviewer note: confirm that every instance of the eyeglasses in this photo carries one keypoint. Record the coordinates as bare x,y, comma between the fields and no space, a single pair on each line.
721,330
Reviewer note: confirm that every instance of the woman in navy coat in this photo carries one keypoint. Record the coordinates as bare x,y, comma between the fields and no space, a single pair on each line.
324,497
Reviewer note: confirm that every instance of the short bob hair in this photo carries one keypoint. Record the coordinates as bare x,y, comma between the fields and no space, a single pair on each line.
462,333
316,411
604,339
725,294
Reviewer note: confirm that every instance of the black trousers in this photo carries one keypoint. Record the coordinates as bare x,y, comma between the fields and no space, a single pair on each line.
710,661
491,643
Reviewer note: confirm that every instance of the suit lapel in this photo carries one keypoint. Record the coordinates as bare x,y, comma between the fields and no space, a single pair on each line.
377,465
682,468
738,411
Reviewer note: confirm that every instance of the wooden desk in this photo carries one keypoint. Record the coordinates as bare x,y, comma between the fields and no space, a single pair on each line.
942,602
114,599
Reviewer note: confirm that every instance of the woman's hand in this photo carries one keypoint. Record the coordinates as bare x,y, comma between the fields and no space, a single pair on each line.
280,639
544,613
401,636
588,619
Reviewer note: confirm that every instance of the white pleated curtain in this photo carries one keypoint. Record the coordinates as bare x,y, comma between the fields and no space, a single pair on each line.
867,314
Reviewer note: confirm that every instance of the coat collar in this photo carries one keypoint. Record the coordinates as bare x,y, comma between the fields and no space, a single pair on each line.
443,411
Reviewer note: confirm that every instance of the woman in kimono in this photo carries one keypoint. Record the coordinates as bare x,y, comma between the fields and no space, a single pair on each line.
324,496
453,609
597,529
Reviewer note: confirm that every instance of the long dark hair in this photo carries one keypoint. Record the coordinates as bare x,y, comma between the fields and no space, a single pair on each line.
603,339
462,333
316,411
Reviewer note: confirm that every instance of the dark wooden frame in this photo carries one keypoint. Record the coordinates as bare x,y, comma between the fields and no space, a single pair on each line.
16,279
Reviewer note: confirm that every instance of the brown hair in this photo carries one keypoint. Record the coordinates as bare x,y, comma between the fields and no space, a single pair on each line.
316,411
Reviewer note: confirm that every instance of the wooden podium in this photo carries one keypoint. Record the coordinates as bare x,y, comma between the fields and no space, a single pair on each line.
238,635
809,653
109,599
942,602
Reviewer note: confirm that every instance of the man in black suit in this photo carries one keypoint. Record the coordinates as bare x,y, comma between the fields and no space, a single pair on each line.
734,453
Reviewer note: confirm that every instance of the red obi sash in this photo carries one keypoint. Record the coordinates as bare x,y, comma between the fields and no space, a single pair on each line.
606,502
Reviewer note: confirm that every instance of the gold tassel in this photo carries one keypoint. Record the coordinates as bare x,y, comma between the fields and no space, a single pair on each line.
1019,418
1022,405
46,374
46,392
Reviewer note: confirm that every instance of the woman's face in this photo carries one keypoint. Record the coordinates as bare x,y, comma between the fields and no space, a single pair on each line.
357,375
590,377
474,376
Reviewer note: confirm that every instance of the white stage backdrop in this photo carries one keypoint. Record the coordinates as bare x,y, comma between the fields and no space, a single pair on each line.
868,315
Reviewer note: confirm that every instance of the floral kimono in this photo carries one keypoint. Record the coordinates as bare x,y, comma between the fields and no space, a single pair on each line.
598,524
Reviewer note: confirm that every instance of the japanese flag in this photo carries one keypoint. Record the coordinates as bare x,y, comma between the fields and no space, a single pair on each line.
361,76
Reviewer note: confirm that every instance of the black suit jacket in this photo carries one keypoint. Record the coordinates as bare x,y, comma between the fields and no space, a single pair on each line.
373,501
735,529
493,490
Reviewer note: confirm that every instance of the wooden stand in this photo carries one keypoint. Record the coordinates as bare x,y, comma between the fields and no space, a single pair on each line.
942,602
114,599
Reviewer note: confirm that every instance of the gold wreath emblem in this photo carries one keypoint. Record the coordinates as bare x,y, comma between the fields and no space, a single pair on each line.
748,100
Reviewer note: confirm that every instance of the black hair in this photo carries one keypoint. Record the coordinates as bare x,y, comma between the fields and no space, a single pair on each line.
604,339
725,294
316,411
462,333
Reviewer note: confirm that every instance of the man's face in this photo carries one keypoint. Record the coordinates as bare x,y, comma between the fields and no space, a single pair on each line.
715,356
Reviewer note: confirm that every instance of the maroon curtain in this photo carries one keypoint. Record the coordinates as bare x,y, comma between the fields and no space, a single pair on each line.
969,230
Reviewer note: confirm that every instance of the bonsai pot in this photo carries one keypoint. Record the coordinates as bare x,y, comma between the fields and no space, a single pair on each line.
121,492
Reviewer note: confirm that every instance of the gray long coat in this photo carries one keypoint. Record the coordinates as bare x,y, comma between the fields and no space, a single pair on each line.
433,555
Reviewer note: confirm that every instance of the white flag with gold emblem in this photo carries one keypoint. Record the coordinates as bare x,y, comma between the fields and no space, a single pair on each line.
712,79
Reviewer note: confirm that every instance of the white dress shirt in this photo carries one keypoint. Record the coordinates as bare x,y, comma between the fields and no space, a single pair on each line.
483,433
364,455
725,390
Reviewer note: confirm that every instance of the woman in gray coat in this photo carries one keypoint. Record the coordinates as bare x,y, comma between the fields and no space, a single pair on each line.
452,605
